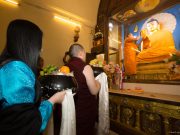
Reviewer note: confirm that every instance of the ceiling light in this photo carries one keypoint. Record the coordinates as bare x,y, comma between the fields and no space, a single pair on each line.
67,20
12,2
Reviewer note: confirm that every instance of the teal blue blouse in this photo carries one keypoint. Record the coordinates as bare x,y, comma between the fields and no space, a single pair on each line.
17,86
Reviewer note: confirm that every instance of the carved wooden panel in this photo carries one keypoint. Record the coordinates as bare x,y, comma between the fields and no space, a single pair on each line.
174,126
127,116
151,123
113,110
143,116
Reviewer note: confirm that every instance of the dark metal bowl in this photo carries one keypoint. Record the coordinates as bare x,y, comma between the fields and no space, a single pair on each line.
51,84
97,70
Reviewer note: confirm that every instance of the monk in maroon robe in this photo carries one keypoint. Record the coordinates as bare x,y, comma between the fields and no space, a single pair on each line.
88,88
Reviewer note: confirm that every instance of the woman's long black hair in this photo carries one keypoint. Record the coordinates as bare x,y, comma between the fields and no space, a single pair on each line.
24,42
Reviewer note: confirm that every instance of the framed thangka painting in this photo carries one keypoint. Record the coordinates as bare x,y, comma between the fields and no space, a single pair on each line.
152,48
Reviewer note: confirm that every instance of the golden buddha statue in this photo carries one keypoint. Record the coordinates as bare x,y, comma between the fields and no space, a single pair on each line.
145,43
161,44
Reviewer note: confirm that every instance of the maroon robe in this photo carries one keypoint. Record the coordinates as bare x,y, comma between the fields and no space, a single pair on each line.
85,102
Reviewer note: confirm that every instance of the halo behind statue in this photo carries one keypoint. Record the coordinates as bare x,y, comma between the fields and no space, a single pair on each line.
166,24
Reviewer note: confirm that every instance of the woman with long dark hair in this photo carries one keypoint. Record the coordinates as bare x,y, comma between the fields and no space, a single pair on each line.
21,110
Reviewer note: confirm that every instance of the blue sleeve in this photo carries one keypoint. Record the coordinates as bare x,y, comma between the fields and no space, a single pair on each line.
17,83
45,110
17,86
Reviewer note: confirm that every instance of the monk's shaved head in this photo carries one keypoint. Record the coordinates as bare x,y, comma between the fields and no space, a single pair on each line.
75,49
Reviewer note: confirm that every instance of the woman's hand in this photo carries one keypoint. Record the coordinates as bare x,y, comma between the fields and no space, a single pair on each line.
57,97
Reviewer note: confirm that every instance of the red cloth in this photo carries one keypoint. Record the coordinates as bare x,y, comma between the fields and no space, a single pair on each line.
85,102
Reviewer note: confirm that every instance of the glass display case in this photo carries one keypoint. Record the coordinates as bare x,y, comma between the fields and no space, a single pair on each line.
114,42
145,43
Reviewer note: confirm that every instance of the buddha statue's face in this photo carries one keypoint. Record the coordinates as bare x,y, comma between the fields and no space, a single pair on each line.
152,26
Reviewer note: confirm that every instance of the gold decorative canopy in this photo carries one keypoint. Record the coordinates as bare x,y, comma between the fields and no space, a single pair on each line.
146,5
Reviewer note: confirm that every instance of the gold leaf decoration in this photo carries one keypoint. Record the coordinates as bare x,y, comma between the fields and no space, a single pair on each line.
146,5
